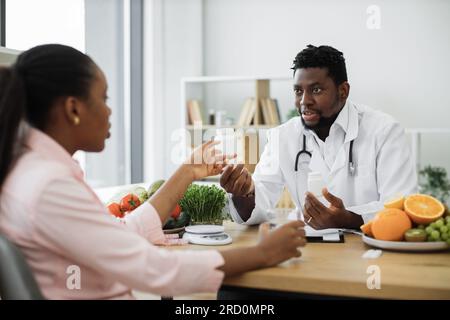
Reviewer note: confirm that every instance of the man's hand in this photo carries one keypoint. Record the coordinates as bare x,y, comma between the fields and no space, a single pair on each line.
319,216
237,180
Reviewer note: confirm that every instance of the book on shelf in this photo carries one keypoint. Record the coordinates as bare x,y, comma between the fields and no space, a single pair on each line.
265,111
245,112
268,117
275,111
270,111
194,111
257,117
259,112
249,119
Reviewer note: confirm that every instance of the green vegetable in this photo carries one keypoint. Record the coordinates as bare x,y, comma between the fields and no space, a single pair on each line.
154,187
204,204
138,191
141,193
183,220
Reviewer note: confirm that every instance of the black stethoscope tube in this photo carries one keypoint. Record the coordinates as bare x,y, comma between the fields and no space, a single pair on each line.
351,166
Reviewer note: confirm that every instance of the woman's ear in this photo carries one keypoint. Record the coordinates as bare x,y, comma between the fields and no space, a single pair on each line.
72,110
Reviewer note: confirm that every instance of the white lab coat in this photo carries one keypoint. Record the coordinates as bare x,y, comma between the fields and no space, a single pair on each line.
382,155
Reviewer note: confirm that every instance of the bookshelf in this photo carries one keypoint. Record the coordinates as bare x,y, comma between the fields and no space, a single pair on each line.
238,91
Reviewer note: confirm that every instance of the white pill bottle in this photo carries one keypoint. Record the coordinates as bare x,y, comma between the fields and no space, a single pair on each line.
315,185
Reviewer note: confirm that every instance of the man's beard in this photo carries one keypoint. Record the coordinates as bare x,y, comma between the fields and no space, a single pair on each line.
324,122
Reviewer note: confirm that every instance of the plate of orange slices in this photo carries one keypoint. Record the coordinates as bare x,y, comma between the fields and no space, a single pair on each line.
417,222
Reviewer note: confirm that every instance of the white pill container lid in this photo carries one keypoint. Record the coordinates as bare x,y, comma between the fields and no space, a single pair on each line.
315,183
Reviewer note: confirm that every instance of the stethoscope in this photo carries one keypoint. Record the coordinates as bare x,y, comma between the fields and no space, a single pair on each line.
351,164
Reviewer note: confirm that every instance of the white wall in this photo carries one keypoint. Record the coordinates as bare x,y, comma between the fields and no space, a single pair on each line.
399,68
180,24
402,68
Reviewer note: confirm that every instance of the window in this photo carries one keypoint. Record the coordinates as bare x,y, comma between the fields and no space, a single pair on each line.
105,30
29,23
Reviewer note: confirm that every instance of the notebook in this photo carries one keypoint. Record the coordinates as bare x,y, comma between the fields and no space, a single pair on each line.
331,235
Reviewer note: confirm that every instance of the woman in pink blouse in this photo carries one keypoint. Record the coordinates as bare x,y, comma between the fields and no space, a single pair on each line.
53,103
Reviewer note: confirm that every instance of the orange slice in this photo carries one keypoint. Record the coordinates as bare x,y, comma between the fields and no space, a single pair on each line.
396,203
423,209
367,229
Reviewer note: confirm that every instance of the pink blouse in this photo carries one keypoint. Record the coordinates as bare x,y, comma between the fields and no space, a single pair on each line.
76,249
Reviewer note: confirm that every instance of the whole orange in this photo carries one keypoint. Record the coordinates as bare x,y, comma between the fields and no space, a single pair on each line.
390,224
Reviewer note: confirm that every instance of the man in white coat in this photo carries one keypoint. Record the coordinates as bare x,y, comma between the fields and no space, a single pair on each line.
362,154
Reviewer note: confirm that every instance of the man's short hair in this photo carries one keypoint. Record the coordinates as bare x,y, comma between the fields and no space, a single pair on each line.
322,57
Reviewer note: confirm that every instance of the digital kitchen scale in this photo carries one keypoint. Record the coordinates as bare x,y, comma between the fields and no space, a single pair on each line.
208,235
205,229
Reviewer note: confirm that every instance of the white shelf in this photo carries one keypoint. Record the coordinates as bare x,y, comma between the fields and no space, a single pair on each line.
232,79
427,130
234,126
190,83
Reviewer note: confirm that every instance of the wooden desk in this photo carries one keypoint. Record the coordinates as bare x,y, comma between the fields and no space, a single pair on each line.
338,269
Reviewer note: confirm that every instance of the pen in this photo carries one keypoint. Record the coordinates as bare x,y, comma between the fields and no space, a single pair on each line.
352,231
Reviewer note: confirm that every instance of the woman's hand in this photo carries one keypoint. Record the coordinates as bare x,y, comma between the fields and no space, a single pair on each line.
206,160
281,243
274,247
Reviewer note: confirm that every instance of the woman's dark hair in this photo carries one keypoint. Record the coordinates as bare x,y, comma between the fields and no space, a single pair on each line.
323,57
32,85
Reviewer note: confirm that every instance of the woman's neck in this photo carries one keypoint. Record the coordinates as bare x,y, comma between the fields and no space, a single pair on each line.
62,137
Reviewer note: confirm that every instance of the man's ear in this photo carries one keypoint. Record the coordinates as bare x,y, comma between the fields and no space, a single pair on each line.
344,90
72,110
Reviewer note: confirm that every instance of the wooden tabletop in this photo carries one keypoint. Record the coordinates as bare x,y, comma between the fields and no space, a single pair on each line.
338,269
